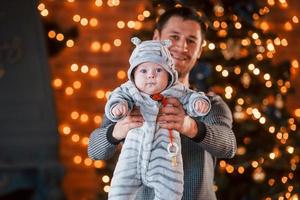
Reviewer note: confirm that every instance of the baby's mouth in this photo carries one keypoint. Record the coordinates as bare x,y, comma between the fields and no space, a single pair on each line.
150,84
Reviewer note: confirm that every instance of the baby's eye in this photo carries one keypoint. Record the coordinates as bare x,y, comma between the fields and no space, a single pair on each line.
143,71
159,70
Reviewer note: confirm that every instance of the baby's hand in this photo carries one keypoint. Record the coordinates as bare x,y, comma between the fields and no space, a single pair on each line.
120,109
201,106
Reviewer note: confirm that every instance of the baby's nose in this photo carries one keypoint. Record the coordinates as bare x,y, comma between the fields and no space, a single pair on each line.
151,74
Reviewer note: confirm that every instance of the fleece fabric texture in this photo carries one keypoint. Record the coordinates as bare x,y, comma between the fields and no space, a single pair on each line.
144,159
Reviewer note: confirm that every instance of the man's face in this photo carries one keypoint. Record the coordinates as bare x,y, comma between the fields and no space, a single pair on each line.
186,42
150,78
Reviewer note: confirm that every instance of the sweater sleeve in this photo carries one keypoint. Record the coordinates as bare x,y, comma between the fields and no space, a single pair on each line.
215,133
101,146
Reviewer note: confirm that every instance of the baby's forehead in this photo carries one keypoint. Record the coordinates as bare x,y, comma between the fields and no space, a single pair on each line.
150,65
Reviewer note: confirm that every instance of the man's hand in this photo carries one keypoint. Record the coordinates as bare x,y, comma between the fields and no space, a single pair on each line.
133,120
173,117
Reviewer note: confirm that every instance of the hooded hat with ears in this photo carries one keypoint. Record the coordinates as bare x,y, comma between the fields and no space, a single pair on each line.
152,51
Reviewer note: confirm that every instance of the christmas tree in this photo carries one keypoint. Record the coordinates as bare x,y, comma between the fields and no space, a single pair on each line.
237,63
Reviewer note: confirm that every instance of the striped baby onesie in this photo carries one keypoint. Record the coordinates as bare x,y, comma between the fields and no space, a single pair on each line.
144,159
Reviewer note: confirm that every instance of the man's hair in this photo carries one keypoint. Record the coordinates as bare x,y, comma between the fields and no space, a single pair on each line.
186,13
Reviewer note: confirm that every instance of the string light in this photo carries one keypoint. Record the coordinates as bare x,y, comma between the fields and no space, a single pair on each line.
97,119
295,64
106,188
272,129
241,150
117,42
70,43
105,179
225,73
95,46
241,170
51,34
84,21
93,22
106,47
94,72
74,115
88,162
75,137
216,24
121,74
288,26
84,117
76,18
98,3
100,94
277,41
69,91
84,69
297,112
85,141
77,159
283,4
284,42
267,76
255,36
238,25
295,19
74,67
57,83
121,24
146,13
130,24
77,84
65,129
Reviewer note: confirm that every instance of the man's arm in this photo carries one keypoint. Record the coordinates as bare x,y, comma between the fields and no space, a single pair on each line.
103,140
99,147
213,131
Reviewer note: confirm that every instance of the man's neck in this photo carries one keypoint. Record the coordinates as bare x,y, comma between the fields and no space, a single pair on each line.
184,80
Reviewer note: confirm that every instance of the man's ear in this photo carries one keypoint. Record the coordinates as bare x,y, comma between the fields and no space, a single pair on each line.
156,35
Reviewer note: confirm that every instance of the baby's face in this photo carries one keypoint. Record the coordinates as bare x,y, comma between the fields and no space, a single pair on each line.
150,78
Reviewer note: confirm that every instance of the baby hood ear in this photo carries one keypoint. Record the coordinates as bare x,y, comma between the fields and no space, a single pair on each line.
136,41
166,43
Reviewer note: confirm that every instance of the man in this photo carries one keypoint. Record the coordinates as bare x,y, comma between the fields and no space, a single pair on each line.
203,139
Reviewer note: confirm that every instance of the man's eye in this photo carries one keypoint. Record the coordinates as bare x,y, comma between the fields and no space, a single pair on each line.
190,41
174,37
143,71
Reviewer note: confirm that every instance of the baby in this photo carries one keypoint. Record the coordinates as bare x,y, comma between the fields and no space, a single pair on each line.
151,155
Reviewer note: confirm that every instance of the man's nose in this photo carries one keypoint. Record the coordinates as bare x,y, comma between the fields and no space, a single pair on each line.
181,44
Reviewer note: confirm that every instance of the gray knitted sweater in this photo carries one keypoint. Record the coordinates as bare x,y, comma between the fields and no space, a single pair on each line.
214,140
